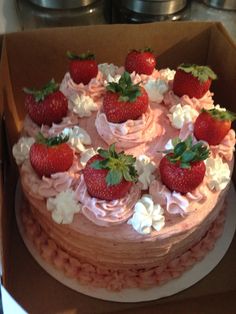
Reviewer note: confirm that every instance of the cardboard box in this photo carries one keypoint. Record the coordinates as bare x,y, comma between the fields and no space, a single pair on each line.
31,59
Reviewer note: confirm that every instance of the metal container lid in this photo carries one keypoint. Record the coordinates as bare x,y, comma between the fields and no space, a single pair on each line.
222,4
62,4
154,7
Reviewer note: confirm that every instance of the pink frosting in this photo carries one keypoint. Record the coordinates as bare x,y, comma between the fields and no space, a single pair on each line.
116,280
206,102
32,129
45,187
107,213
95,88
132,132
174,202
226,148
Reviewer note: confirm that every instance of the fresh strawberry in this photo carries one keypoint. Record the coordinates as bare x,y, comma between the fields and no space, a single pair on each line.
46,106
82,67
213,125
183,169
124,101
193,80
109,175
140,61
48,156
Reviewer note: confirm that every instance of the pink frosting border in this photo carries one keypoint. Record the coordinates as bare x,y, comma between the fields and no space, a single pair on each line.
116,279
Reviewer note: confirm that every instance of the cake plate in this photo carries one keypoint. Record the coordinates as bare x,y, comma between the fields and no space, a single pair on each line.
186,280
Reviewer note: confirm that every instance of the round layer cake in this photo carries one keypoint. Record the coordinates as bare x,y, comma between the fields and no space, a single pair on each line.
99,242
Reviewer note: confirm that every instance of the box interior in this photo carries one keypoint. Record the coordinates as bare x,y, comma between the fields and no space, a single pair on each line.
31,59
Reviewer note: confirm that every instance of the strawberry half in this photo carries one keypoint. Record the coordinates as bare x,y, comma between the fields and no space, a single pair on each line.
124,100
46,106
82,67
140,61
183,169
213,125
109,175
192,80
52,155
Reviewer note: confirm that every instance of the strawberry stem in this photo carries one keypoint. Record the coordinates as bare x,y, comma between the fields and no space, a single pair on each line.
202,73
52,141
119,166
220,114
186,153
125,88
83,56
39,95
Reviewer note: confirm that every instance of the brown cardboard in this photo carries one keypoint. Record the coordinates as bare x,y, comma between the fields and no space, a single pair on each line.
31,59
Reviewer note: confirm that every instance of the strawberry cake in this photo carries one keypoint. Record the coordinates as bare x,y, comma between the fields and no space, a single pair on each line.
125,170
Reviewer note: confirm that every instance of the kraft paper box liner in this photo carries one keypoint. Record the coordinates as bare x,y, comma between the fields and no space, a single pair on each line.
32,58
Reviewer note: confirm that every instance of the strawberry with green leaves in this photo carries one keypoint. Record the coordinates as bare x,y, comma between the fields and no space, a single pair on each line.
51,155
124,100
192,80
82,67
109,175
183,169
140,61
213,125
47,105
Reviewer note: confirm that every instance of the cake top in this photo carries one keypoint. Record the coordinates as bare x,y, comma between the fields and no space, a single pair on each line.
133,146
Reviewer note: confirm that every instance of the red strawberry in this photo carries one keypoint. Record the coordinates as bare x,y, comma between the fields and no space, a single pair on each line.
183,169
109,175
192,80
213,125
82,67
140,61
46,106
124,100
48,156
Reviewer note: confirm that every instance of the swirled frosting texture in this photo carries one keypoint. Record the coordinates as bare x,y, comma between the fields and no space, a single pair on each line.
106,213
45,187
131,132
21,149
147,216
63,207
180,115
218,173
145,169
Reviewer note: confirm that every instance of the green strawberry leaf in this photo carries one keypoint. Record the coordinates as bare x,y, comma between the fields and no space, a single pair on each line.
125,88
180,148
114,177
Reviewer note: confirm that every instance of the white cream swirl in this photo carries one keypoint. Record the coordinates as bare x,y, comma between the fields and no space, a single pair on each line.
21,149
147,215
86,155
167,74
179,115
145,168
78,137
63,207
156,89
108,69
82,105
217,173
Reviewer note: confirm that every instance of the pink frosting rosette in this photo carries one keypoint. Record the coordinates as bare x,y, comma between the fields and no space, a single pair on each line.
226,148
174,202
32,129
206,102
132,132
45,187
106,213
95,88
